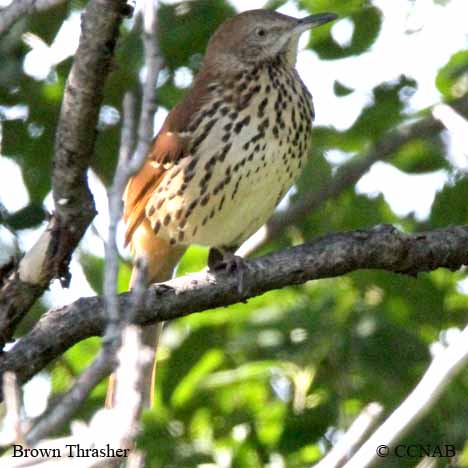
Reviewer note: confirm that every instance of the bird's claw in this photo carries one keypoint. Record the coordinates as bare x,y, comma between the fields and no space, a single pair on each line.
232,264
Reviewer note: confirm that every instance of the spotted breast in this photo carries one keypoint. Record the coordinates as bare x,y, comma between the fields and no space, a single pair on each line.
247,144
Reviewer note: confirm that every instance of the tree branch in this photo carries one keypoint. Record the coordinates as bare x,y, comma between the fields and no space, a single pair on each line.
383,247
347,176
74,147
445,366
20,8
122,419
72,400
353,438
154,63
117,321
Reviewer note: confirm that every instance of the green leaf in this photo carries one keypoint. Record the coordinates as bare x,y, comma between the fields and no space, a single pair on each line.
93,268
420,155
450,205
46,24
80,356
184,28
270,421
384,112
316,169
340,7
30,142
28,217
187,387
194,260
124,78
124,275
169,94
300,429
324,138
452,79
367,23
185,357
341,89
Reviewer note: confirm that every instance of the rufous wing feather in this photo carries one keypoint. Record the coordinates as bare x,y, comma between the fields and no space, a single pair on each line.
168,148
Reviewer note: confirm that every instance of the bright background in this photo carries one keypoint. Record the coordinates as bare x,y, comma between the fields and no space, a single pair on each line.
239,386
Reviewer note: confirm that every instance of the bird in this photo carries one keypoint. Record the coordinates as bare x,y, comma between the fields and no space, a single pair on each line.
226,154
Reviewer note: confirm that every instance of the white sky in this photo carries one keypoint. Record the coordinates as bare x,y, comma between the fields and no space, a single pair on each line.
437,32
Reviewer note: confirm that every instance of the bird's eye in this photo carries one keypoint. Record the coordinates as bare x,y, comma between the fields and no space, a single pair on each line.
260,32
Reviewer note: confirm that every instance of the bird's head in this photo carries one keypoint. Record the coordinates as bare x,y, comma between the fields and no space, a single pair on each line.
259,35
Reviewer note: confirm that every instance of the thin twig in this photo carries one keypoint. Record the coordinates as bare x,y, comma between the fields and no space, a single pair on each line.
12,431
128,165
127,399
72,400
154,63
116,327
73,201
122,174
353,438
115,428
444,367
105,361
133,358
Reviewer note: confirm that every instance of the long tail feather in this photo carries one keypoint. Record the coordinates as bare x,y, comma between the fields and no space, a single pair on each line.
162,260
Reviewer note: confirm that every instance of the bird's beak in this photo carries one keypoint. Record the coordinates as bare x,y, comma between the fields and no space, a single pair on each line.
314,20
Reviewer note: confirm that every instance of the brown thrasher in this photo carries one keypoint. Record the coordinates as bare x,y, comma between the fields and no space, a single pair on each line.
227,153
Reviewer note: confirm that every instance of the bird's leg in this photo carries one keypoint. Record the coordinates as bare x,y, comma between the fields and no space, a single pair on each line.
223,259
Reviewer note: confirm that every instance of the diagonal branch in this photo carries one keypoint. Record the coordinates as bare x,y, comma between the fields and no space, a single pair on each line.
356,434
442,370
383,247
19,8
74,147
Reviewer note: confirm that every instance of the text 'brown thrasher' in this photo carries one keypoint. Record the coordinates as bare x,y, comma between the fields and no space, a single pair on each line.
228,152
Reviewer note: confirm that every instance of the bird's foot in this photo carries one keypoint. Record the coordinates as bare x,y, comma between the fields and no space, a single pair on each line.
226,261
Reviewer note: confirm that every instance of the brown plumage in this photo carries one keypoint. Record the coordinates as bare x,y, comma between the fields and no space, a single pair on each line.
229,151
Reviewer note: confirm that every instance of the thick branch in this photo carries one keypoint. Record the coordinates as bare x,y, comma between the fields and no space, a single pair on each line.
382,247
74,147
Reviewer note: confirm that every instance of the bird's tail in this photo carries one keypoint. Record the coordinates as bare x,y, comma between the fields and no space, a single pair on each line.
161,260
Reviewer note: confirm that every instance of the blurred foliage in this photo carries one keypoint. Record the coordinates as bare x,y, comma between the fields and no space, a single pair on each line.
189,23
452,80
276,379
366,22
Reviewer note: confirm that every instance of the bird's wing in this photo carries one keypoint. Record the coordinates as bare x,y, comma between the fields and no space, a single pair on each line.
168,148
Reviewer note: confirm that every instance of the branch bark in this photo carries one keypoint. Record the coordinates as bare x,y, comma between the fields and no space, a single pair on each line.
383,247
74,147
